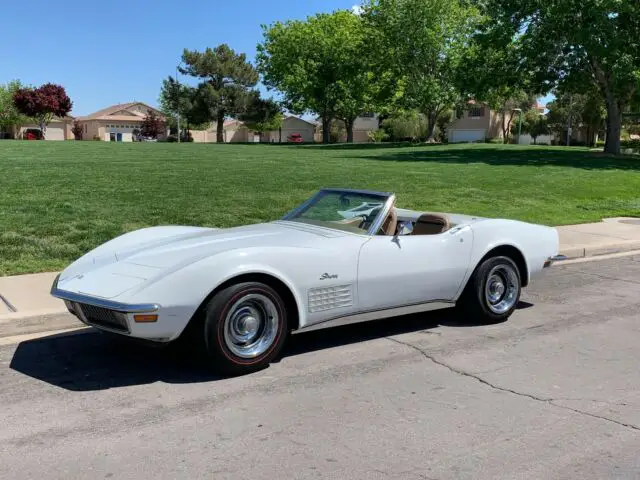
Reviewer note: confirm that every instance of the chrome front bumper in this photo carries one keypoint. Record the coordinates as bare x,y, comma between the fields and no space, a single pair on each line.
98,312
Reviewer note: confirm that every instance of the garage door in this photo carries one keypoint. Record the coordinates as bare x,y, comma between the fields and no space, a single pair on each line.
54,132
467,136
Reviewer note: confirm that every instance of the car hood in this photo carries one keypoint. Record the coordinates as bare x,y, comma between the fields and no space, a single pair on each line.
127,261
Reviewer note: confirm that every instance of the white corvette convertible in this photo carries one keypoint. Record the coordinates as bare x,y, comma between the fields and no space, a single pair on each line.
345,255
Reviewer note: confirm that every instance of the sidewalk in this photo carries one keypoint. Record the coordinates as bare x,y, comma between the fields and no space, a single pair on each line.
27,296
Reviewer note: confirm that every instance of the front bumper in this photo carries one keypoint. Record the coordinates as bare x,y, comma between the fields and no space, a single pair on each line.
101,313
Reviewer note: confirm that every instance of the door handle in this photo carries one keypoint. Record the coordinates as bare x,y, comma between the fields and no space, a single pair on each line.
456,230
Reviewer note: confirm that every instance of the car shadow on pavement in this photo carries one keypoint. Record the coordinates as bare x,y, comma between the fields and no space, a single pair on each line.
90,360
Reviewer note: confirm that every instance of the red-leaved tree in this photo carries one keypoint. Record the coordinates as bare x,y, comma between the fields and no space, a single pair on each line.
152,125
43,103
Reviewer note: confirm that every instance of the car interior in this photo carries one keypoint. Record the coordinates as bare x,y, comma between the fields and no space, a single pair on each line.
425,224
421,224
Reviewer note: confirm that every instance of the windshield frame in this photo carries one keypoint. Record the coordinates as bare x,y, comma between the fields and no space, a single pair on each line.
386,198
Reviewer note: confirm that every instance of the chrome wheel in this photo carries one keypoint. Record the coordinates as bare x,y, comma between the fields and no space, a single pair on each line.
501,290
251,326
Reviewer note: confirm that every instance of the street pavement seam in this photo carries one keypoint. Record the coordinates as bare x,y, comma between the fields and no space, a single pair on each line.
548,401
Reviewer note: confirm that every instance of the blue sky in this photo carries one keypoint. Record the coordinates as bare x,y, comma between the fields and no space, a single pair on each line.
108,53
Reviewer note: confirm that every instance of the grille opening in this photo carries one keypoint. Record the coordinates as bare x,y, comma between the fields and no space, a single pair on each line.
103,317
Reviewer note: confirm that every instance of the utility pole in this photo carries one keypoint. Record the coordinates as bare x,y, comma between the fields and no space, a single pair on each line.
519,110
520,127
569,126
178,102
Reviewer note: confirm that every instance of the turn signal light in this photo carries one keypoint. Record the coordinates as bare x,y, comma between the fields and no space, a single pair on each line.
145,318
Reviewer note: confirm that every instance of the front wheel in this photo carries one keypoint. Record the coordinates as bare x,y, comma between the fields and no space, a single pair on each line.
493,291
245,328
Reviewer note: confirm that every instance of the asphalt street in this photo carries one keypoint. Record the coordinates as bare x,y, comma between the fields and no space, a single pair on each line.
552,394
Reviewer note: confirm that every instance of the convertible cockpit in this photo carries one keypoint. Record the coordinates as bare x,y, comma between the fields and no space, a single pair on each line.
365,212
417,224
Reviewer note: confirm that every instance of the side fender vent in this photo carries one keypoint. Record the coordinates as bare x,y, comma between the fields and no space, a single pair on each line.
329,298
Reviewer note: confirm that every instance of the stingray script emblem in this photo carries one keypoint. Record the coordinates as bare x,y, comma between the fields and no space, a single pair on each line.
326,276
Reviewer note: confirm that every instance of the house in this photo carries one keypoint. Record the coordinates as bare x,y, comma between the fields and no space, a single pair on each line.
236,131
117,122
290,126
363,124
477,123
57,129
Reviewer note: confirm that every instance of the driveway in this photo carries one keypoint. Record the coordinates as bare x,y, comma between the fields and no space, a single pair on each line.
552,394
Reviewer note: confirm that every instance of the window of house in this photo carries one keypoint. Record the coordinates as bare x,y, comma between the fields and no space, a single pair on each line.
475,112
368,115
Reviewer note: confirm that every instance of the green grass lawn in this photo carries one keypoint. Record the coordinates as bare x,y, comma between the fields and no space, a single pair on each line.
60,199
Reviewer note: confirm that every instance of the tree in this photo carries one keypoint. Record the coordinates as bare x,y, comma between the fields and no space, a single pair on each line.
538,128
180,99
77,130
593,40
506,101
422,42
262,115
152,125
320,65
533,123
43,103
586,110
10,117
227,80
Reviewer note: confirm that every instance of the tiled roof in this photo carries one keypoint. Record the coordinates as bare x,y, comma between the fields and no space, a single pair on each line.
107,113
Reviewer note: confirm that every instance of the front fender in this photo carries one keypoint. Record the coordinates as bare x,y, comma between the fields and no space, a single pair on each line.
181,292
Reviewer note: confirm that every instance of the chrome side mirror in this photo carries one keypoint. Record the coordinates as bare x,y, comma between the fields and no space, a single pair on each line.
405,228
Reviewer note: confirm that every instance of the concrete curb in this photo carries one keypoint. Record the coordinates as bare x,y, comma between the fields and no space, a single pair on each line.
39,321
572,253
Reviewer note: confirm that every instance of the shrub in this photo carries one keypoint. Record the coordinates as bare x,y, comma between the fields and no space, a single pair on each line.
630,144
377,136
406,126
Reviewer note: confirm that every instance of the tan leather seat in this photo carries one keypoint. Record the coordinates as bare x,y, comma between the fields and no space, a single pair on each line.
390,224
431,224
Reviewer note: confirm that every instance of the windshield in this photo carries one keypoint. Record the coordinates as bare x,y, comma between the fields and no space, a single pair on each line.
343,210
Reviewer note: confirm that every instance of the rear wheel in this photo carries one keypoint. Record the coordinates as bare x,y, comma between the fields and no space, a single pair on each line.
245,328
493,292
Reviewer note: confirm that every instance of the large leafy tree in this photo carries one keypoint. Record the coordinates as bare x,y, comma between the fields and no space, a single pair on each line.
422,42
489,74
227,80
594,40
10,117
262,115
321,66
43,103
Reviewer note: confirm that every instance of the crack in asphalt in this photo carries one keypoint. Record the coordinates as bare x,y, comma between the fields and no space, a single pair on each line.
548,401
